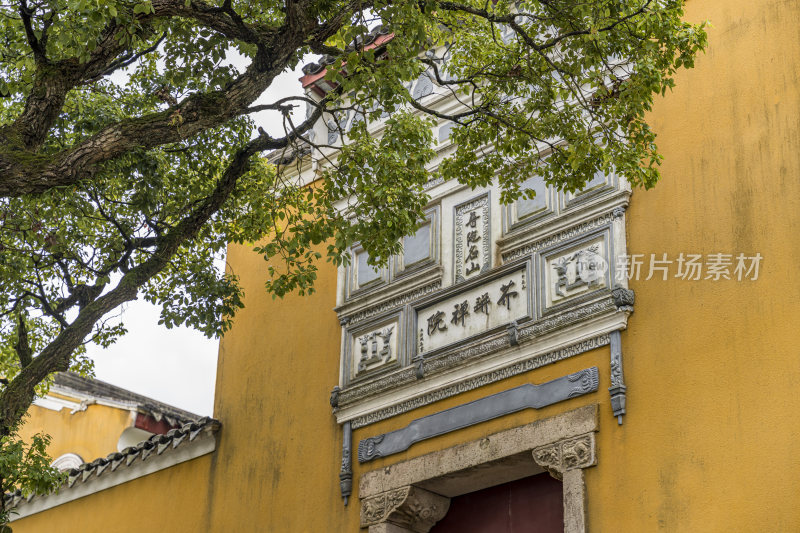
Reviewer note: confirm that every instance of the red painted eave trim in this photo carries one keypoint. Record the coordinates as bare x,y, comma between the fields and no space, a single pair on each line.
148,423
308,79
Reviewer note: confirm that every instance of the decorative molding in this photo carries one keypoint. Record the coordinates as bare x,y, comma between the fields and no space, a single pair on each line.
461,353
393,303
563,235
430,184
358,392
571,201
527,396
618,388
383,387
563,219
567,454
346,472
409,508
480,380
567,318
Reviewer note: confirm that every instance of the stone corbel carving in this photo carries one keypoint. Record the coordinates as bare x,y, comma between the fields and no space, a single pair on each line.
407,509
346,473
513,338
335,397
567,454
565,460
618,388
623,298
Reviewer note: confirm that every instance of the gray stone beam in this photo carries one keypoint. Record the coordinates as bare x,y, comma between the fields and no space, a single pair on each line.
528,396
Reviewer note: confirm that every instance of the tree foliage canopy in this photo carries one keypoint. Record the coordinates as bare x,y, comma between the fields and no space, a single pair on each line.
128,156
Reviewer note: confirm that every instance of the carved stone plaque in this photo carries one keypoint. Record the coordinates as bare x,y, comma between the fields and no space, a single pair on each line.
473,311
576,270
373,349
472,239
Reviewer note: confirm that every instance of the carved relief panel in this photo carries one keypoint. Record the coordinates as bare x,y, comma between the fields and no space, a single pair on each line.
374,346
575,269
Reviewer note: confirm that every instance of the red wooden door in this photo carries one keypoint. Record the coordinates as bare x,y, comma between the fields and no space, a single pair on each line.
529,505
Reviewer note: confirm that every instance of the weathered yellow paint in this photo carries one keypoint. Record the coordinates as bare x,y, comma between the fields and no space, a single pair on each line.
174,499
91,433
278,459
710,437
710,440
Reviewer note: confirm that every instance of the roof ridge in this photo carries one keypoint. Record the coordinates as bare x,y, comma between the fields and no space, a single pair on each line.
109,391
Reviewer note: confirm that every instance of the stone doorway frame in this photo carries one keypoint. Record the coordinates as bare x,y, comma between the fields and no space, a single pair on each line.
411,496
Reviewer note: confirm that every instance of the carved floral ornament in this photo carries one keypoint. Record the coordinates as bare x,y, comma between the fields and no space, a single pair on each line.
568,454
411,508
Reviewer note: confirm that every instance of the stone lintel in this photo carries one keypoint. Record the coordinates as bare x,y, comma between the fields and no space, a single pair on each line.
495,447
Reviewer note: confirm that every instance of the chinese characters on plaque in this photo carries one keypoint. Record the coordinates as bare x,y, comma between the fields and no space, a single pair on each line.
472,239
474,311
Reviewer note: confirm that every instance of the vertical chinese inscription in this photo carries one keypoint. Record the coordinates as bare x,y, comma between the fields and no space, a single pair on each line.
472,239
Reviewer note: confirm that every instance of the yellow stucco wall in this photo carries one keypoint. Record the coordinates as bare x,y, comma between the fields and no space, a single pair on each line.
710,441
91,433
710,437
175,499
280,445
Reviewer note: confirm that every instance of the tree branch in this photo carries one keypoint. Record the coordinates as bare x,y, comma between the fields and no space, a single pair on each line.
25,14
18,395
23,347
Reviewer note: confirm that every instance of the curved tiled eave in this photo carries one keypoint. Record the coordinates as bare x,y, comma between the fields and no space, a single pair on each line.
156,453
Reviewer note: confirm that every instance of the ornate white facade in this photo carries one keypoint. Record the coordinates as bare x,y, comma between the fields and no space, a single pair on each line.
481,292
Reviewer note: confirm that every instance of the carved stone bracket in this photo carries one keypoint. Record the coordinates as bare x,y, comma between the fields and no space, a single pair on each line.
408,509
565,460
623,298
346,473
618,388
567,454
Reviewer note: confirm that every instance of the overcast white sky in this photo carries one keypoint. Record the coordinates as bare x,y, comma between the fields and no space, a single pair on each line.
176,366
